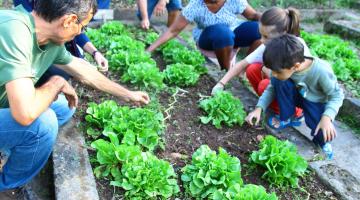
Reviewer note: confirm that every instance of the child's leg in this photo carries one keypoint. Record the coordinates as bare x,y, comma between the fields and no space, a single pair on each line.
312,113
286,95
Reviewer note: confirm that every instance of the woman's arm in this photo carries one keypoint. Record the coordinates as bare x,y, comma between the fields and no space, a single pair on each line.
179,24
239,68
251,14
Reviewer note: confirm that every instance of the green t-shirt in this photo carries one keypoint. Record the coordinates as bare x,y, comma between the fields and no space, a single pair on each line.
20,54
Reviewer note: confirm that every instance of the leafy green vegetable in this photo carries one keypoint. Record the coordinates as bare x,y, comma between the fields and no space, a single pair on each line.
223,107
113,28
145,75
125,43
210,175
100,114
123,59
281,160
151,38
181,74
100,40
111,154
138,126
345,61
251,192
175,52
147,177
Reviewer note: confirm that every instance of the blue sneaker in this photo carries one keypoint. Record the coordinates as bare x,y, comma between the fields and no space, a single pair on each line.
327,149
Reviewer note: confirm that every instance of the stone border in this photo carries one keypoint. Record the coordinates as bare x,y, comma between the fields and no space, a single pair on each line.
73,175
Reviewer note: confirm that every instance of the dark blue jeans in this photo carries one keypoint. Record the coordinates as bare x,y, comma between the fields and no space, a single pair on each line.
171,6
289,98
28,147
219,36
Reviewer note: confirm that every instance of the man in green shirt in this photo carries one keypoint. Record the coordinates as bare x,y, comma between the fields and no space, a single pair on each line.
29,116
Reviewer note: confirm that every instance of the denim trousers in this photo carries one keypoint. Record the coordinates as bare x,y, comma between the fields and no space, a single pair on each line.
28,147
219,36
289,98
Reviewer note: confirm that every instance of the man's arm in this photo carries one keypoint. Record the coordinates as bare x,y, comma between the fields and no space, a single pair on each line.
27,102
145,23
87,74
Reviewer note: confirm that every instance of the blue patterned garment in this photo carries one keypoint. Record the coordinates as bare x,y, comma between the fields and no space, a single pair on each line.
197,11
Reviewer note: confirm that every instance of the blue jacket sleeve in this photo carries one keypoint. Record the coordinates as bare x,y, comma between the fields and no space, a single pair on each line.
81,40
103,4
25,3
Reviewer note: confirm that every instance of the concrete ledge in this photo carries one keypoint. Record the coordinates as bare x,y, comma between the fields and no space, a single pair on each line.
73,175
345,28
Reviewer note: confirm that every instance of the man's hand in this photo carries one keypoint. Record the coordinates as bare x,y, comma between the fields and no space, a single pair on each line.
327,128
70,95
254,114
139,98
160,8
145,24
101,61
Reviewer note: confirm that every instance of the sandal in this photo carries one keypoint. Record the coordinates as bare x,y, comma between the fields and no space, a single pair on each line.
284,124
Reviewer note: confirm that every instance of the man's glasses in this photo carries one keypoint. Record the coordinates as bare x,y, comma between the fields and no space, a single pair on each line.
83,28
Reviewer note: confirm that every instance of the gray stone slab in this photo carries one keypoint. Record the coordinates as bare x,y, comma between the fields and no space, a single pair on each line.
349,29
351,107
73,175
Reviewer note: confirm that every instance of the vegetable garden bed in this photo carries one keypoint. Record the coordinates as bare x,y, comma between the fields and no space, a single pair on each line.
174,116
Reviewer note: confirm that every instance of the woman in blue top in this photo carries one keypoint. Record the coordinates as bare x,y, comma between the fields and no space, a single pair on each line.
81,40
218,27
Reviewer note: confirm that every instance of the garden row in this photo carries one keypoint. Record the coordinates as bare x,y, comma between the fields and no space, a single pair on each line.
345,61
127,139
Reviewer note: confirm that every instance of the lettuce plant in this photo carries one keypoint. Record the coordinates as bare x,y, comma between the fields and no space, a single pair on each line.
181,75
223,107
145,75
147,177
110,155
139,126
251,192
211,175
282,162
113,28
123,59
99,115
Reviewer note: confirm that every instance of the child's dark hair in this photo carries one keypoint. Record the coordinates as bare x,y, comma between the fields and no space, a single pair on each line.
287,20
283,53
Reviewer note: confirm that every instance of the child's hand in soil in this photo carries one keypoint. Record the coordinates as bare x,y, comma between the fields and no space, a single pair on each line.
327,128
254,114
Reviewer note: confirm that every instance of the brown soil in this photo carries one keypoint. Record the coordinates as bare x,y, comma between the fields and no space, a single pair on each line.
185,133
